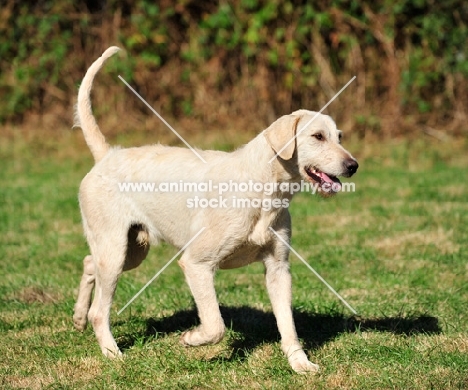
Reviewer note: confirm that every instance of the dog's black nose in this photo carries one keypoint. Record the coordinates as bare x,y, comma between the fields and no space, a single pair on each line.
351,166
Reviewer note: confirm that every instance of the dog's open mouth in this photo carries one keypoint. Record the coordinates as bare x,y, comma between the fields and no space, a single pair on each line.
327,183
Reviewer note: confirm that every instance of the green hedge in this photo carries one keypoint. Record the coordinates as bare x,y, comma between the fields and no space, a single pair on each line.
260,58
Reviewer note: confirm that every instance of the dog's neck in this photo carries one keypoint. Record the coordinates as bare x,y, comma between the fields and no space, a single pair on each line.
276,170
273,171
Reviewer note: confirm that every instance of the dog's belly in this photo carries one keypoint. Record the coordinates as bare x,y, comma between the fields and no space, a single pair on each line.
166,218
242,256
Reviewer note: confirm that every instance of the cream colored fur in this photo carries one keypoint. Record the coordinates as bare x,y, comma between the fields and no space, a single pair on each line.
120,226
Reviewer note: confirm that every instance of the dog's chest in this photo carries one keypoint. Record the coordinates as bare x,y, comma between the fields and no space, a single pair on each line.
260,233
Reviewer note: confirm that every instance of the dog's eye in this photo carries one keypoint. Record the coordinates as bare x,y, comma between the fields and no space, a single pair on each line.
318,136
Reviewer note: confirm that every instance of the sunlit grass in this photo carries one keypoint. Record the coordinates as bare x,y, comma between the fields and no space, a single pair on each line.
396,249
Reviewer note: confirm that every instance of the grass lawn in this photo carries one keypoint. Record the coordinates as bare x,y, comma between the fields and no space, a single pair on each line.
396,249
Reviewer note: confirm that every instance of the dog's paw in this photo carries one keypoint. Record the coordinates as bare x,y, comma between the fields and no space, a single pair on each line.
112,353
304,367
195,337
184,340
301,364
80,322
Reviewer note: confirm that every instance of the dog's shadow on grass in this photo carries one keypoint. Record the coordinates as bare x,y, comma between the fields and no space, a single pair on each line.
253,327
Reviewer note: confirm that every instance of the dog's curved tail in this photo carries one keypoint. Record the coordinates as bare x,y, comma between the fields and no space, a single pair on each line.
83,113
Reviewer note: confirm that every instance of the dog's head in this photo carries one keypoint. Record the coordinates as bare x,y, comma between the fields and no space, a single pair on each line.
313,143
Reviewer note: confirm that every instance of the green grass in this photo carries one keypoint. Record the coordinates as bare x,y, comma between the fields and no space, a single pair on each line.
396,249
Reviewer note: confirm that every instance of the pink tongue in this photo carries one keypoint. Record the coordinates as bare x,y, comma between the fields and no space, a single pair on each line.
325,177
333,185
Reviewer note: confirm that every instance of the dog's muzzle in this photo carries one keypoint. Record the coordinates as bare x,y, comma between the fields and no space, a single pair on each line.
350,167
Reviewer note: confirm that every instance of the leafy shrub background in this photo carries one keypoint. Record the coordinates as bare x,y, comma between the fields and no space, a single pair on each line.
243,63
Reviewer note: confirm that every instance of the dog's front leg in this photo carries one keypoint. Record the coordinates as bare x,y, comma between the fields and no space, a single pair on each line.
278,282
200,278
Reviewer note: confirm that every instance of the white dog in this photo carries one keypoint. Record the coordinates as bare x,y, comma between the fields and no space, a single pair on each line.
120,225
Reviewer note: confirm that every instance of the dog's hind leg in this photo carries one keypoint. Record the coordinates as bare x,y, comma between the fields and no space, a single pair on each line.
83,302
109,259
137,250
200,278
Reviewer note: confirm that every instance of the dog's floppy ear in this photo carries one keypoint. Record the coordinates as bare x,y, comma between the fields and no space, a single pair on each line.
280,135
